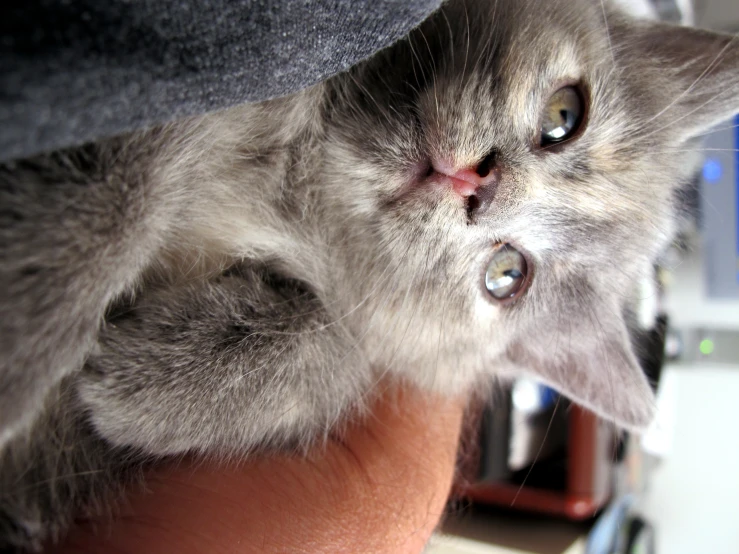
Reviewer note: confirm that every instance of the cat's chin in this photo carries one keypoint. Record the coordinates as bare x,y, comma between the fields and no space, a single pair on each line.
459,373
461,381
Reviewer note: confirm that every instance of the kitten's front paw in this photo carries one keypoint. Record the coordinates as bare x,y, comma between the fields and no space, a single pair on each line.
224,365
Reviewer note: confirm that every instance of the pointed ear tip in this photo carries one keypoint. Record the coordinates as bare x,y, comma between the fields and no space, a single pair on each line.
635,410
640,417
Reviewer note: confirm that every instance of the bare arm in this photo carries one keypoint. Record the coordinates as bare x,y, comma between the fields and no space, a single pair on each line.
382,488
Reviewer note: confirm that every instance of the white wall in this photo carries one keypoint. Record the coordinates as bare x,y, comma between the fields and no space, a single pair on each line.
693,496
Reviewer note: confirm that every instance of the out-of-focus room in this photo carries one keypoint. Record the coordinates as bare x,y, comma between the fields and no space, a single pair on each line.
551,478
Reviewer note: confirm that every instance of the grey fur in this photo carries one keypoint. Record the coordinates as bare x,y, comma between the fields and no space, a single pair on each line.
241,280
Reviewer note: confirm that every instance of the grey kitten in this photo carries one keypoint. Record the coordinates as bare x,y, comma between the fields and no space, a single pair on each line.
479,200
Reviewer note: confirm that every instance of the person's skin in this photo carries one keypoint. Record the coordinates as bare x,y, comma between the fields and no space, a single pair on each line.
381,488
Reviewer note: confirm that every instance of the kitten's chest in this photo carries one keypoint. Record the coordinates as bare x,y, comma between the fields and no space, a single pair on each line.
242,200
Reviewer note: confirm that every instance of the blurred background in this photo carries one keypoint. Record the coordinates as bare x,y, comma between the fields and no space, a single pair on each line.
550,478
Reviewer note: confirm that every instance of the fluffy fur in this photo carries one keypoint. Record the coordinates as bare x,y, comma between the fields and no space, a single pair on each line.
242,280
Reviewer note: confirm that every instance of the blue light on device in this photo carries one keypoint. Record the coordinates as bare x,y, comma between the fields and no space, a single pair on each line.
719,202
712,170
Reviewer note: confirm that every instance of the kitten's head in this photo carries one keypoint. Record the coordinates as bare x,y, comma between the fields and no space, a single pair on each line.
540,145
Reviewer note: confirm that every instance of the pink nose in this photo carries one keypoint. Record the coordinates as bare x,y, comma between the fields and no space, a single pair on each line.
480,181
465,181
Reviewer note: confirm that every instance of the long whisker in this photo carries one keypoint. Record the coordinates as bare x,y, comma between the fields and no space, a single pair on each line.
538,452
608,32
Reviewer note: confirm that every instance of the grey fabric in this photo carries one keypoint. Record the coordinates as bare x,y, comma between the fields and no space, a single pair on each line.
76,70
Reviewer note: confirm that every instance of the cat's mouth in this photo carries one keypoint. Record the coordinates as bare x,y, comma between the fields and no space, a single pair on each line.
471,207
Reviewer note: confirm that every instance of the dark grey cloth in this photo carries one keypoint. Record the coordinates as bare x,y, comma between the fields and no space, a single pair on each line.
76,70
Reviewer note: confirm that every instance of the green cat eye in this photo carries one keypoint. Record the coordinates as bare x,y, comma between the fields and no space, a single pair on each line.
562,116
506,273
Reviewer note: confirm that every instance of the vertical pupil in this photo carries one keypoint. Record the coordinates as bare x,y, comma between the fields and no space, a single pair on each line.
562,115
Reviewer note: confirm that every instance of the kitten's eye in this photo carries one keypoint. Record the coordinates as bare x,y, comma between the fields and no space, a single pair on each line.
506,273
563,115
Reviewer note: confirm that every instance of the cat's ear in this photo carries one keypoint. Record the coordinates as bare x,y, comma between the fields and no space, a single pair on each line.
591,362
693,74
